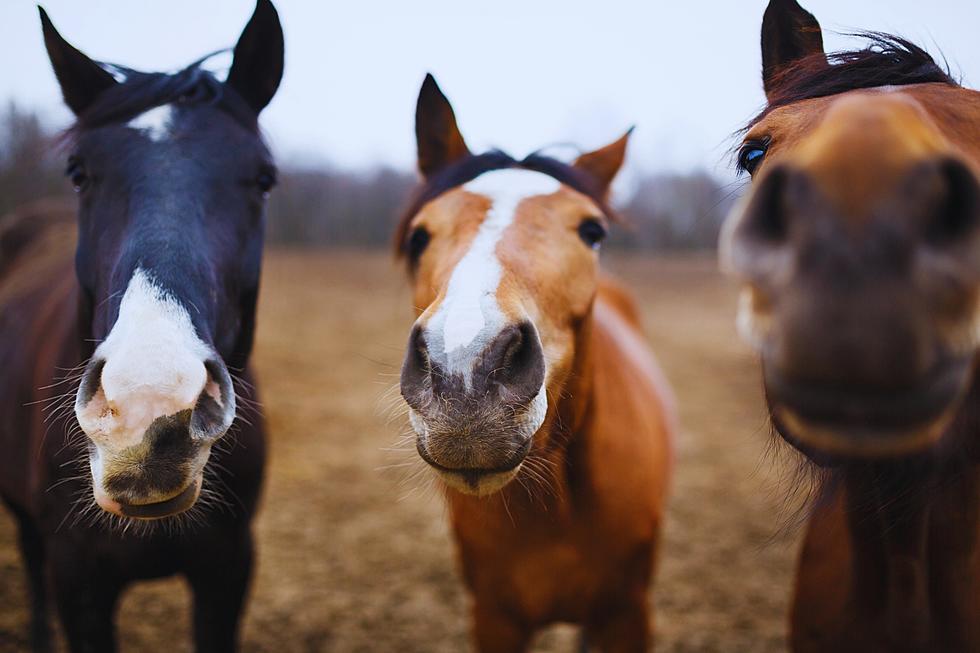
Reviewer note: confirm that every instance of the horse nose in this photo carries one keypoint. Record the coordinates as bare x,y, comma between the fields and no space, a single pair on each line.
789,226
116,401
515,364
509,368
754,242
950,202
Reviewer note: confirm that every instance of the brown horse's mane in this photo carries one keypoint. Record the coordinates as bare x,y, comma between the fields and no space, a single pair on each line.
887,60
472,166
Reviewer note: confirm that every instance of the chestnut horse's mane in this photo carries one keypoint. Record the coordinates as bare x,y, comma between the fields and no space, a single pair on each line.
472,166
887,60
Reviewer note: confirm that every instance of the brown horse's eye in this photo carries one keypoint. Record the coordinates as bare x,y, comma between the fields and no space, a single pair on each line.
417,243
591,232
76,174
751,154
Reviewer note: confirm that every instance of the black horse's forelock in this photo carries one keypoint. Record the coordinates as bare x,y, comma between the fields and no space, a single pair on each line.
139,91
470,167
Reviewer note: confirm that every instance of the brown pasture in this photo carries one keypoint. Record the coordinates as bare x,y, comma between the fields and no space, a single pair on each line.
354,550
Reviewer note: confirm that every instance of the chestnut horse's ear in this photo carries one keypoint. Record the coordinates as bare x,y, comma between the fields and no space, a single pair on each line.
436,133
603,164
81,79
258,63
789,33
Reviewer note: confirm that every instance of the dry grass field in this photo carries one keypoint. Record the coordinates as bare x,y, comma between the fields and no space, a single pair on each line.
355,557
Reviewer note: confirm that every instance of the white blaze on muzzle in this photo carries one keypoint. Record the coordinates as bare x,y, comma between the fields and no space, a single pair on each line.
154,367
469,315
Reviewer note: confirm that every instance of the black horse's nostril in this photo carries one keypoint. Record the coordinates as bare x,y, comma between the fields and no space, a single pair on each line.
91,381
215,408
514,363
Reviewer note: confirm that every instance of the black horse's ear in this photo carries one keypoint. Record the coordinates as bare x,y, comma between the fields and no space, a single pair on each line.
436,132
258,63
603,164
789,33
80,78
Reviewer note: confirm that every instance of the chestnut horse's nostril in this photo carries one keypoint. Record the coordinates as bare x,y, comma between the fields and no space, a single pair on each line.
510,368
416,370
514,363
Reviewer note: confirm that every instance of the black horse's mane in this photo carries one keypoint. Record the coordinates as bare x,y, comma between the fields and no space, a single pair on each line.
472,166
886,60
139,91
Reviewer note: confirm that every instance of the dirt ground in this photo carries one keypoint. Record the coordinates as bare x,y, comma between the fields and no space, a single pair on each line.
356,556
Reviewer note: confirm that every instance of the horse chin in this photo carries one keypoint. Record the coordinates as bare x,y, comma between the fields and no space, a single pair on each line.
831,424
832,444
478,484
181,501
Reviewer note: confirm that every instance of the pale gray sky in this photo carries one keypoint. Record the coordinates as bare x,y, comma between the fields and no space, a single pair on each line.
520,73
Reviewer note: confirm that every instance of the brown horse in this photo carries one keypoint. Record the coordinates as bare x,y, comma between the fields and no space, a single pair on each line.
531,389
122,324
859,250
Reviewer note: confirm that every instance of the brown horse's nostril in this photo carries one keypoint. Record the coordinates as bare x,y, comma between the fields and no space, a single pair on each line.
958,214
765,221
761,234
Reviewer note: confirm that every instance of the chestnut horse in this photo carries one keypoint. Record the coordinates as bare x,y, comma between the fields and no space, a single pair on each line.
114,484
859,250
531,389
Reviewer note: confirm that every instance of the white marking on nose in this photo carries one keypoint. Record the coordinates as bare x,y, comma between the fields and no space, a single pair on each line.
469,315
155,123
154,366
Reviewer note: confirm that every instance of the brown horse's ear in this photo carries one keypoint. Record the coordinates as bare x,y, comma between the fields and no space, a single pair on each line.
258,62
789,33
81,79
603,164
436,133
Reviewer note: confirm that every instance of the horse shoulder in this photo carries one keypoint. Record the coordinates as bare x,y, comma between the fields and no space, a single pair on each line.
634,414
37,310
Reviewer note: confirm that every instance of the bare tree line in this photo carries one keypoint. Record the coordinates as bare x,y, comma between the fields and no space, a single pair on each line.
327,207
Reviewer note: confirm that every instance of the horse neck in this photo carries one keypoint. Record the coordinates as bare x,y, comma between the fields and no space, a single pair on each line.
555,467
914,532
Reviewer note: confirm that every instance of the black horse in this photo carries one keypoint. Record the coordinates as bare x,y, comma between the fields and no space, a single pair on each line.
125,469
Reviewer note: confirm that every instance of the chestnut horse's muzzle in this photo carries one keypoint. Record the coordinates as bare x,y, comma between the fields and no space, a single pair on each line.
476,429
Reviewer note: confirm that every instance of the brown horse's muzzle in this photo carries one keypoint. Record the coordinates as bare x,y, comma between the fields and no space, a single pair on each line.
867,319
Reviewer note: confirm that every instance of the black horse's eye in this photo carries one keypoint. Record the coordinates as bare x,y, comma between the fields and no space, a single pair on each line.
417,243
751,154
266,181
76,174
591,232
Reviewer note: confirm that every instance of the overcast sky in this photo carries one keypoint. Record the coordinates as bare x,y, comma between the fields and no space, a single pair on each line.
521,74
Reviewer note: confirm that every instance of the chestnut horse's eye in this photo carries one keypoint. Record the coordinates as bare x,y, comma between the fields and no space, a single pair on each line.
76,174
591,232
266,181
751,155
417,243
